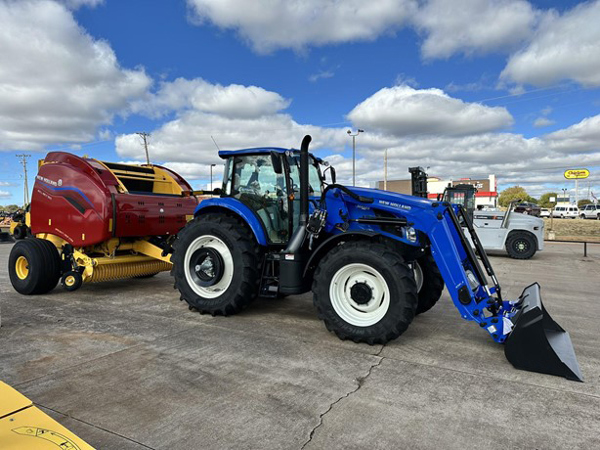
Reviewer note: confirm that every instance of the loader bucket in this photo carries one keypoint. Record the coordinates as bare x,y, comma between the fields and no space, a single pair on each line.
537,343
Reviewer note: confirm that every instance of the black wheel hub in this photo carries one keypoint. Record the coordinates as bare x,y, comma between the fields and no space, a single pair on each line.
206,267
361,293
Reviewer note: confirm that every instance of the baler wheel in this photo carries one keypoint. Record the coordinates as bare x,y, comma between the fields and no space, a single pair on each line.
365,292
216,264
34,266
430,283
71,281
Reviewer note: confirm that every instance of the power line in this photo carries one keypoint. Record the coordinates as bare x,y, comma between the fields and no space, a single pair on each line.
24,157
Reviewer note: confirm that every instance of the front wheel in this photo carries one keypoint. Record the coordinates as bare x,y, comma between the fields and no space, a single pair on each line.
216,264
521,245
430,283
365,292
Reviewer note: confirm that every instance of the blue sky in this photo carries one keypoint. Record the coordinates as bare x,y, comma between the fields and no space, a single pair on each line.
467,88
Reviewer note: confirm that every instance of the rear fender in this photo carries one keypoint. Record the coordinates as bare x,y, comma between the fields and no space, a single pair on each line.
234,206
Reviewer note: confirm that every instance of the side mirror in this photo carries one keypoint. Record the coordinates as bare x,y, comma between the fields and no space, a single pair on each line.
217,191
276,163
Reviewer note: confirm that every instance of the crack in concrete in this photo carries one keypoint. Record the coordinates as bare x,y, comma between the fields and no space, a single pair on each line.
360,381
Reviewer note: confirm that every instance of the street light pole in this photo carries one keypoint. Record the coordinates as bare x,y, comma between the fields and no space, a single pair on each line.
354,153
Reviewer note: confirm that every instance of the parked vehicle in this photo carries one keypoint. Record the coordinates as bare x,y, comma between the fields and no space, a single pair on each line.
545,212
590,212
528,208
278,228
566,212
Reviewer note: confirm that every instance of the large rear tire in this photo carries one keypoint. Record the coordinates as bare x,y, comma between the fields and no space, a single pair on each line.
430,283
216,264
365,292
34,266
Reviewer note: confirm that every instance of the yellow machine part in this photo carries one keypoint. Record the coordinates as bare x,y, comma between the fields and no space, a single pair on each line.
25,427
120,270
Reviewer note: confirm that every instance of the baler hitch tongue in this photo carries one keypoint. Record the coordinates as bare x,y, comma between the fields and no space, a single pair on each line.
537,343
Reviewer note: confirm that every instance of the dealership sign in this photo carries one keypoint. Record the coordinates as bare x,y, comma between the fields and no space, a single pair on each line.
576,174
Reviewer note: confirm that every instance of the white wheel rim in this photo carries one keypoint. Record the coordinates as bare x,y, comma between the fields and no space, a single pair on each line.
360,315
418,273
213,242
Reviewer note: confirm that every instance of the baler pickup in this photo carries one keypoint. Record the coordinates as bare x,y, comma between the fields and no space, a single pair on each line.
537,343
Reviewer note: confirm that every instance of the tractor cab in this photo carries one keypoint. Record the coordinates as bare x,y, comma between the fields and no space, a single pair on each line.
267,180
462,194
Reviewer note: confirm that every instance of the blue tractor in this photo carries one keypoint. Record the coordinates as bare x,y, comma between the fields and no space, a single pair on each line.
373,259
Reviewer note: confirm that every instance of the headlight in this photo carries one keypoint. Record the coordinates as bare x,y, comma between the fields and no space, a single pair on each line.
411,234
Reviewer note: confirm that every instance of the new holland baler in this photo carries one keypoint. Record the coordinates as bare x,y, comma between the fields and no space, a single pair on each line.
93,221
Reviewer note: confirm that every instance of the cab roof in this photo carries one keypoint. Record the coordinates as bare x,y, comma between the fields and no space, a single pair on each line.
254,151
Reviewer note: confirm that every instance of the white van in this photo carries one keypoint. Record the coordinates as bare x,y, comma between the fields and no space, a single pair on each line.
566,212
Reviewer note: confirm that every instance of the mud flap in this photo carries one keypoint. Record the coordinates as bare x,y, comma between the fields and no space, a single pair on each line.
537,343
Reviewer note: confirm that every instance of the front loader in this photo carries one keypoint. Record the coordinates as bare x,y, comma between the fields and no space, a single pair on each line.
373,259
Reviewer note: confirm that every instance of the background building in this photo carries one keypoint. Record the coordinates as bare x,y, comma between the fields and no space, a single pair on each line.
487,191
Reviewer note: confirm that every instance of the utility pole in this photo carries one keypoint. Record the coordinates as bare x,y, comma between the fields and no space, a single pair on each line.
24,157
145,137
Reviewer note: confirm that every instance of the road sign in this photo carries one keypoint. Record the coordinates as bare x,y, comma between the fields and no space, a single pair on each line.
576,174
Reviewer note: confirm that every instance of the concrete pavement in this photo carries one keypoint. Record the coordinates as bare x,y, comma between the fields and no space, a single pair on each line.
125,365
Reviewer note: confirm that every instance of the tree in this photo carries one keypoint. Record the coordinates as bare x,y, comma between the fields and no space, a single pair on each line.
582,203
514,193
545,200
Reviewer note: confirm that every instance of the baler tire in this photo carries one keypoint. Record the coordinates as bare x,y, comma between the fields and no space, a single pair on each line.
525,238
42,266
20,232
433,284
245,254
386,266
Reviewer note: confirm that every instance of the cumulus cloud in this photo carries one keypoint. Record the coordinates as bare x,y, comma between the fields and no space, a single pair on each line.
402,110
233,101
473,26
583,137
5,194
564,47
57,83
273,24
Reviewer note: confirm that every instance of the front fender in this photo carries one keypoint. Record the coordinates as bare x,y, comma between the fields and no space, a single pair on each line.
233,205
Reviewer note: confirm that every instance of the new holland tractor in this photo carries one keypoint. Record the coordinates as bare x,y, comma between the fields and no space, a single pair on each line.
278,228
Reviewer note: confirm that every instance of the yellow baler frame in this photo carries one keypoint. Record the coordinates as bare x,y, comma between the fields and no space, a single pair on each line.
119,259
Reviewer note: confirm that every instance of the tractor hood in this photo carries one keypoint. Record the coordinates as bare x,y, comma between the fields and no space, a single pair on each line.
392,199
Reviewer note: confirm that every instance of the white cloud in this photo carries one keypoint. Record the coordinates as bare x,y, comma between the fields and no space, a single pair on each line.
234,101
5,194
272,24
473,26
583,137
564,47
320,75
76,4
542,122
57,83
403,111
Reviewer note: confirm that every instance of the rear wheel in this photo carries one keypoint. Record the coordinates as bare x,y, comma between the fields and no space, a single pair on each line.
365,292
216,264
430,283
20,232
521,245
34,266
